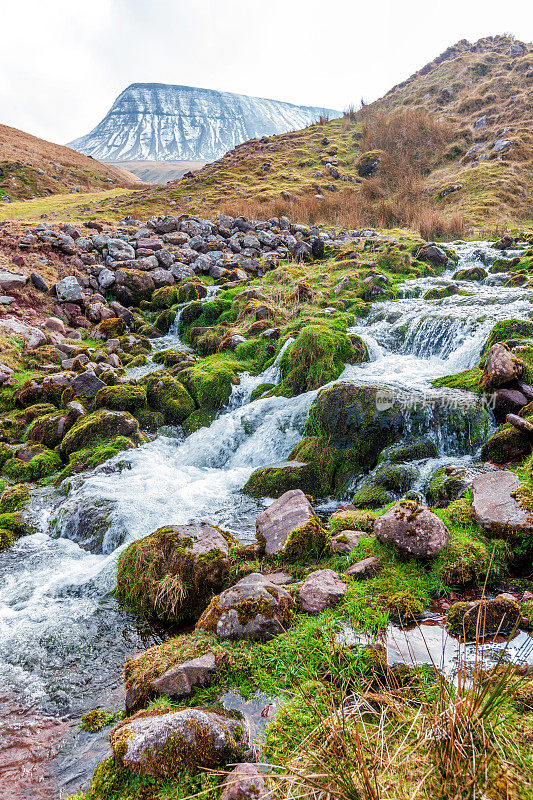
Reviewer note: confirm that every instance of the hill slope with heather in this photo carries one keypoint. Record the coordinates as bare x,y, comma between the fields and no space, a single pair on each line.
32,167
455,138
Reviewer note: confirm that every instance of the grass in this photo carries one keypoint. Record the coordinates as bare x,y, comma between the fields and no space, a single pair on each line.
62,206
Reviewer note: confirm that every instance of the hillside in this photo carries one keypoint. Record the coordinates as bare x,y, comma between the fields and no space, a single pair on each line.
464,121
162,122
32,167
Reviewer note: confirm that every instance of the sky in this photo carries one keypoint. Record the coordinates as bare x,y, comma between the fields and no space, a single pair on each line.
63,62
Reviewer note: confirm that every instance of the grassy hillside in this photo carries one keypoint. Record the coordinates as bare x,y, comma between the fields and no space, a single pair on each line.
32,167
433,137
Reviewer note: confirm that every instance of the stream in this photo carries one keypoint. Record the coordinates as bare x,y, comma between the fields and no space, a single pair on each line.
63,637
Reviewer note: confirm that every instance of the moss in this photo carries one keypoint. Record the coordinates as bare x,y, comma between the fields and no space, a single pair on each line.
93,721
14,498
167,296
396,477
372,497
15,523
91,457
210,381
164,321
276,480
439,294
352,520
471,380
170,357
163,575
445,487
137,361
112,327
191,290
47,430
122,397
470,274
309,541
43,463
39,410
201,418
505,330
507,445
7,539
262,389
420,448
318,452
483,618
100,426
316,357
168,395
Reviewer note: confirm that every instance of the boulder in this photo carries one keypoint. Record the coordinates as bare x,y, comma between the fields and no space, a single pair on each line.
289,526
320,590
183,679
87,384
119,250
11,281
98,427
433,253
412,529
173,573
276,479
501,367
508,401
69,290
245,782
164,744
254,608
39,282
483,617
106,278
495,506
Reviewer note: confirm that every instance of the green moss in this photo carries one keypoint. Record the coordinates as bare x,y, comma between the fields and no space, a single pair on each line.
164,321
112,327
505,330
166,296
507,445
201,418
324,459
420,448
14,498
372,497
122,397
15,523
93,721
396,477
471,380
7,539
262,389
170,358
276,480
210,381
439,294
46,430
309,541
445,487
470,274
316,357
42,464
100,426
91,457
168,395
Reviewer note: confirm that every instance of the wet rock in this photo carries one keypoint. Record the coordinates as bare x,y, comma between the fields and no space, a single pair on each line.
483,618
289,526
254,608
346,541
433,253
174,572
412,529
495,505
183,679
163,745
320,590
275,480
366,568
508,401
501,367
98,427
69,290
245,782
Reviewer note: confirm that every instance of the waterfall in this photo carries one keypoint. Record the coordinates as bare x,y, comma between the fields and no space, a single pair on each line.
241,394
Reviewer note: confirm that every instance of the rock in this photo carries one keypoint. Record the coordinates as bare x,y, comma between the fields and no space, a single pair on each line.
183,679
366,568
276,479
36,339
245,782
55,324
508,401
501,144
483,617
98,427
69,290
119,250
521,424
87,384
163,745
346,541
11,281
192,561
412,529
320,590
501,366
39,282
289,526
253,608
433,253
481,122
132,286
5,373
495,506
106,278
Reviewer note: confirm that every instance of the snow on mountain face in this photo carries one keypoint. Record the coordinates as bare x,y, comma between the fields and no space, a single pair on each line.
160,122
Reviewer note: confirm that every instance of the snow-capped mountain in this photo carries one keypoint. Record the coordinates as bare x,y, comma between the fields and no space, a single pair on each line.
161,122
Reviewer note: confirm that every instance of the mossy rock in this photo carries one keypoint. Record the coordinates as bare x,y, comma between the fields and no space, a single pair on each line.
318,356
172,573
191,290
92,456
439,294
471,380
483,618
374,496
260,390
14,498
164,321
505,330
420,448
168,395
7,539
275,480
169,358
507,445
39,410
397,478
470,274
44,462
14,521
210,381
48,430
100,426
445,487
201,418
319,453
166,296
121,397
112,327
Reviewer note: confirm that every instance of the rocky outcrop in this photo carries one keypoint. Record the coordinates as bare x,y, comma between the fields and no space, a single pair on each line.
412,529
289,526
495,504
254,609
164,744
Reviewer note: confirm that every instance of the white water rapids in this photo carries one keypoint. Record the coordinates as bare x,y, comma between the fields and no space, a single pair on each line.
61,633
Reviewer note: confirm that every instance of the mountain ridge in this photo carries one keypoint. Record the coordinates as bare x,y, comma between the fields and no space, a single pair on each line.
170,122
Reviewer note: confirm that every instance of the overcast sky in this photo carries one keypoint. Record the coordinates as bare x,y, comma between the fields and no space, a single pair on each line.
63,62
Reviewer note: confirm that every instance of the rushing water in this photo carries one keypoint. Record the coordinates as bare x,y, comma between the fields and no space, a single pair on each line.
63,637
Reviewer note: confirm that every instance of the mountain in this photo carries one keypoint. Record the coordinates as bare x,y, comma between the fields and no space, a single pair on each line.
161,122
32,167
477,95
